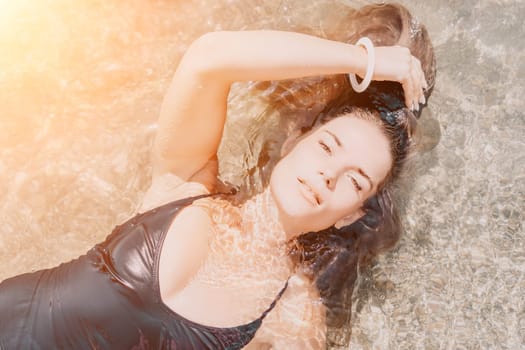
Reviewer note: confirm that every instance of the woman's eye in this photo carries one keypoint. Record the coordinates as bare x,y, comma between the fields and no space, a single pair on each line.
325,147
356,184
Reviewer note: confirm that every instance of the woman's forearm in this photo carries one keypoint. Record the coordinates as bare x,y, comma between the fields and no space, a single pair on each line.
271,55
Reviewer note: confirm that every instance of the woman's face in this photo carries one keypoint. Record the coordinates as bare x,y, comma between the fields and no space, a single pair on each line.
329,173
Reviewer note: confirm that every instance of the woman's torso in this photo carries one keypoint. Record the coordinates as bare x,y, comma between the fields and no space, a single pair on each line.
108,299
244,268
99,297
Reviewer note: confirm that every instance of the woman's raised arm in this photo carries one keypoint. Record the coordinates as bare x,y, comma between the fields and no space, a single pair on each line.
193,112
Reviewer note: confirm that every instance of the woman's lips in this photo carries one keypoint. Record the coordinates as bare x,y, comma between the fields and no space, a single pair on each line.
308,192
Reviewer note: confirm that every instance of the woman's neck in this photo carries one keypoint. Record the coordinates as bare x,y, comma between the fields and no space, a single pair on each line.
260,214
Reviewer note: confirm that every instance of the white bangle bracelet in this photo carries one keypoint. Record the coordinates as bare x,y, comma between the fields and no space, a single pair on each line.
367,44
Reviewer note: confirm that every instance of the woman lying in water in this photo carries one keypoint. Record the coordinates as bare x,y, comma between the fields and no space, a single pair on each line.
193,271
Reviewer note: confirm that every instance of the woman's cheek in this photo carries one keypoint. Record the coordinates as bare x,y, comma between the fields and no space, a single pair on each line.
347,201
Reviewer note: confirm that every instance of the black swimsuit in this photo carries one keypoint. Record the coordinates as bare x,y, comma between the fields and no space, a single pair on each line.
109,299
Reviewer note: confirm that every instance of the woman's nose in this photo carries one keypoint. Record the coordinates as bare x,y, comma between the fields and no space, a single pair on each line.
328,178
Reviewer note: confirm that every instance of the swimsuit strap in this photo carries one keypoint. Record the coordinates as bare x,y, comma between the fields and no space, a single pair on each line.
179,203
184,201
274,302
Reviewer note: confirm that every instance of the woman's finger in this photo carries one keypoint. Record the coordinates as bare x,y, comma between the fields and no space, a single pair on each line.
408,87
422,84
425,86
416,89
419,81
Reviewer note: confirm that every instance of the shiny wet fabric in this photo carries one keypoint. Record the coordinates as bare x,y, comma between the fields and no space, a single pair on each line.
109,299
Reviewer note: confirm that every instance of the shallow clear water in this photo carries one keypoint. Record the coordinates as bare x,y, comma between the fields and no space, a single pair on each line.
81,84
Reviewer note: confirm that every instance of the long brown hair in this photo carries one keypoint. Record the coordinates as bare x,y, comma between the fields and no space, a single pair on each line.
333,256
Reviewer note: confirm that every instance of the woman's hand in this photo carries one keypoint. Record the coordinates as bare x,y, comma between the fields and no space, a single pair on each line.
395,63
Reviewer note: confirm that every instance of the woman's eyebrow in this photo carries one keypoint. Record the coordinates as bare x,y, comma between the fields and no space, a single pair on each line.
336,139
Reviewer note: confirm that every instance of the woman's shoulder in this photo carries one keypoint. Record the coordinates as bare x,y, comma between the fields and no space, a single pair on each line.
169,187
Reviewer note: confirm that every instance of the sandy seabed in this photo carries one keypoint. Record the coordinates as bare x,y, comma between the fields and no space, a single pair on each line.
80,89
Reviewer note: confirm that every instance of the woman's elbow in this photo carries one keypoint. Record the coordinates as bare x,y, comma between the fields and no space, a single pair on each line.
202,56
